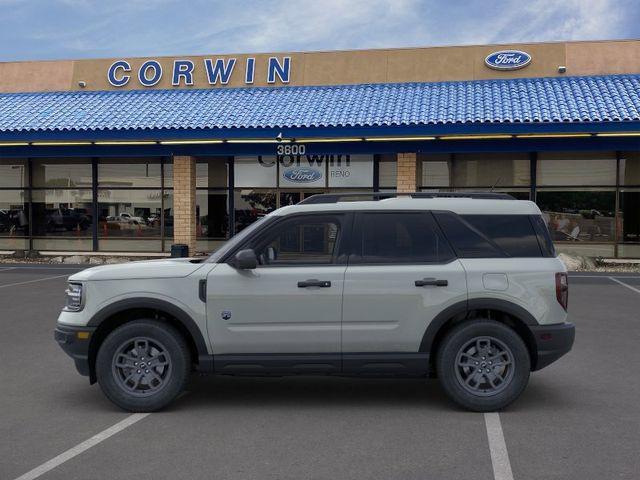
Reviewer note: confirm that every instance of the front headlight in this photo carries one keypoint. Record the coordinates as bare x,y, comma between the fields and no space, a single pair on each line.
74,298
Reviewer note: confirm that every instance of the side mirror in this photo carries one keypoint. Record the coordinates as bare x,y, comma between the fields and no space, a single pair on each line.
245,260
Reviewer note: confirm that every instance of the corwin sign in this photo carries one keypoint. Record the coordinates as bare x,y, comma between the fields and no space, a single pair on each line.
218,71
507,60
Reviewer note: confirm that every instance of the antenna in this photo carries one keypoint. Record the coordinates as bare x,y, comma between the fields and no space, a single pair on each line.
495,183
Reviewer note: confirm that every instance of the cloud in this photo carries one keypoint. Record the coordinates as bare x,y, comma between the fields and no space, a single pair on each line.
552,20
45,29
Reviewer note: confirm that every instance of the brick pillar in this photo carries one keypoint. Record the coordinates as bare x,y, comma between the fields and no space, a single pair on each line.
408,172
184,202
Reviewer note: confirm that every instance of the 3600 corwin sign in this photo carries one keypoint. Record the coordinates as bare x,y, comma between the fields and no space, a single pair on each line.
507,60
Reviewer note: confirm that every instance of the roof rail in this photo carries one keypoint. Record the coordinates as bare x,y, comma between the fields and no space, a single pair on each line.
338,197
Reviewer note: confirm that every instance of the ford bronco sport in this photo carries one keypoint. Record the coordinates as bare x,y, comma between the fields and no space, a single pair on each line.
463,287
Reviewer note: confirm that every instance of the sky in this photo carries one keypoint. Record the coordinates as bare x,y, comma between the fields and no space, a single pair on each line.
74,29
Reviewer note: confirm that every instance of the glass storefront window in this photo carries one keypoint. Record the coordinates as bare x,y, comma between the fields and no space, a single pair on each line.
576,168
250,205
517,193
629,216
212,213
255,171
491,169
387,171
129,172
211,172
62,173
129,213
62,213
13,173
14,213
579,216
630,168
352,171
436,173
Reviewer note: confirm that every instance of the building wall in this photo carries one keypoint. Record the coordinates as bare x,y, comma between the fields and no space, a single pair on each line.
431,64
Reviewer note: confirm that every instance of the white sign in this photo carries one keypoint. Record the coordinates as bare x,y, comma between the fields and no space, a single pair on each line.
304,171
351,171
255,172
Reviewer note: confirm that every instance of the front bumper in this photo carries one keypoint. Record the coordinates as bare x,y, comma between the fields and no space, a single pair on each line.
552,342
75,343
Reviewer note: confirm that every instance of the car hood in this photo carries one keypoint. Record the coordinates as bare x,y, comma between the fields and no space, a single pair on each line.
165,268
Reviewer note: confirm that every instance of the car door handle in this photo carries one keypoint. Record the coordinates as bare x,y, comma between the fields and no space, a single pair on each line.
314,283
428,282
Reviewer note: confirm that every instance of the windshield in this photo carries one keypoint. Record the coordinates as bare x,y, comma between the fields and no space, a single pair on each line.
236,240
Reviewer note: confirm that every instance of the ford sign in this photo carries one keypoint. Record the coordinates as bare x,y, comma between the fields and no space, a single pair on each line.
302,175
507,60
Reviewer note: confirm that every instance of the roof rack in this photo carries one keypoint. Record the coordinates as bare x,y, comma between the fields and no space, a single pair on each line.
338,197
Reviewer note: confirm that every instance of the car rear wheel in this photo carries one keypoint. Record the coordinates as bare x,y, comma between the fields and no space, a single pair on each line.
143,365
483,365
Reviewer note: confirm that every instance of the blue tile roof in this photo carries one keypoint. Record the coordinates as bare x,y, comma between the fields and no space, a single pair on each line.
613,98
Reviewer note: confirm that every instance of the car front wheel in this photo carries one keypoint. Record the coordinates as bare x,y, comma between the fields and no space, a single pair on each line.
143,365
483,365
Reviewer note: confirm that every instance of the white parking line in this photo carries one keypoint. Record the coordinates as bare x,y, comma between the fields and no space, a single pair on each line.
82,447
624,284
32,281
8,268
497,447
46,267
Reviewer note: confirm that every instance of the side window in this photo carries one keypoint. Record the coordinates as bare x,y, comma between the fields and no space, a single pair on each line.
300,241
399,238
514,234
466,240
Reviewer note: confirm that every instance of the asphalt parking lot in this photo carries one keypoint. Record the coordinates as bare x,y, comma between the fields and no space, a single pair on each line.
578,419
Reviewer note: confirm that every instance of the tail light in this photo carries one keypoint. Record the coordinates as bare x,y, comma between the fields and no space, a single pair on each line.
562,289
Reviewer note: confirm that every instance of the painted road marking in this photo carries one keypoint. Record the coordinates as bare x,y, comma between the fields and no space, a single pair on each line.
5,269
624,284
32,281
497,447
82,447
47,267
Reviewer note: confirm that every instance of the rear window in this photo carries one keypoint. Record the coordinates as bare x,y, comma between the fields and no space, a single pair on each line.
513,234
544,237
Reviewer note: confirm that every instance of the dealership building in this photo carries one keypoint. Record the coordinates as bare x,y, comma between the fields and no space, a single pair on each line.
137,154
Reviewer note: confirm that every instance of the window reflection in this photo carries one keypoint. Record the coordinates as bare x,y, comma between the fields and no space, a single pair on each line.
579,216
129,213
129,172
576,168
14,214
250,205
62,173
66,213
630,216
13,173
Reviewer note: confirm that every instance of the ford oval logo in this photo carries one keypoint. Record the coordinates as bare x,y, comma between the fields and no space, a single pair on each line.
508,60
302,175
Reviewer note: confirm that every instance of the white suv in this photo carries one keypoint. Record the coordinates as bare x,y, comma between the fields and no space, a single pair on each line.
467,288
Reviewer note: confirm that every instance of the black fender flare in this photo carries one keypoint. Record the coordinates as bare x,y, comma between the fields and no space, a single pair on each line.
465,306
155,304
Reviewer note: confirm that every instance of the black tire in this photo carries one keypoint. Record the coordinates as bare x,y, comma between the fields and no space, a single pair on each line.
164,386
472,390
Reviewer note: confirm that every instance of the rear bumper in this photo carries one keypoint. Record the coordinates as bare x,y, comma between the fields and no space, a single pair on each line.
552,342
74,345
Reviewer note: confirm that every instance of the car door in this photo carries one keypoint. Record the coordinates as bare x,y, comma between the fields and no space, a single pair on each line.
401,274
290,304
